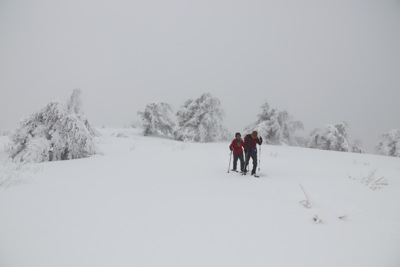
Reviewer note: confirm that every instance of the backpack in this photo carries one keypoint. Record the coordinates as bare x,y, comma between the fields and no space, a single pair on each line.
246,143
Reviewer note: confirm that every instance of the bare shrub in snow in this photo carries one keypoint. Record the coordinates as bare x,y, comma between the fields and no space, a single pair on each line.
361,163
306,202
389,144
57,132
317,219
371,180
276,127
200,120
156,119
374,182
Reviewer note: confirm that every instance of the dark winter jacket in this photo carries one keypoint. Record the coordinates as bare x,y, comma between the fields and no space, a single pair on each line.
250,144
237,146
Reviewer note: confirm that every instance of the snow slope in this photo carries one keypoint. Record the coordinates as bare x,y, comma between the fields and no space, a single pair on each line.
151,201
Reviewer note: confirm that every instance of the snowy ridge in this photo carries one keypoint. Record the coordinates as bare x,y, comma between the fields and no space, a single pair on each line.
152,201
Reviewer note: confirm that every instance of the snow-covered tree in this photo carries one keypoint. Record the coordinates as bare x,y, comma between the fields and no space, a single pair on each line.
56,132
200,120
355,147
74,103
334,137
315,140
389,144
276,127
156,119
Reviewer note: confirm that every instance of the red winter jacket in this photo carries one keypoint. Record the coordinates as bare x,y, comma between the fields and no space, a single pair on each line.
250,143
237,146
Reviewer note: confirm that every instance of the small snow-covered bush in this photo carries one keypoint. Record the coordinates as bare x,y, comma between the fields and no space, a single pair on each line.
389,144
121,135
156,119
57,132
134,125
201,120
15,173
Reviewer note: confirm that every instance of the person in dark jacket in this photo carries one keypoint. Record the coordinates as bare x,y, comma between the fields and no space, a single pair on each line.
236,147
250,149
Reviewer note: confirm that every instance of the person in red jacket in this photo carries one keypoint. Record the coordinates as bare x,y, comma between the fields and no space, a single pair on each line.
236,147
250,149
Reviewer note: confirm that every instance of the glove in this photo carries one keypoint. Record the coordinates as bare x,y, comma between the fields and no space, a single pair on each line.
231,148
245,151
260,139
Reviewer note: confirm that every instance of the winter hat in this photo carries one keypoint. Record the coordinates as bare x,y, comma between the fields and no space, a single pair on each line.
254,134
236,134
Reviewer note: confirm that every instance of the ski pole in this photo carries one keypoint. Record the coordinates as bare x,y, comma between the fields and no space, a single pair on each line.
259,160
229,166
247,162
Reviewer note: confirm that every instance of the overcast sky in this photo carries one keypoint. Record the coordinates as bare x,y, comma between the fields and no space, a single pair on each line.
322,61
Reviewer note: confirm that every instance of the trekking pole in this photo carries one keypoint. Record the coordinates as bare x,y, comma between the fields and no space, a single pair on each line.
259,160
248,162
229,166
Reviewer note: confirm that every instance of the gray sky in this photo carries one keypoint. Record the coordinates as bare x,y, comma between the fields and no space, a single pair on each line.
323,61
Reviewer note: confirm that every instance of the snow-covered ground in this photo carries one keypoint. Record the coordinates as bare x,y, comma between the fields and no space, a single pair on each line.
151,201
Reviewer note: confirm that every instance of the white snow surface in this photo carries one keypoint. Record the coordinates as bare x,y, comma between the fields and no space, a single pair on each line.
152,201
